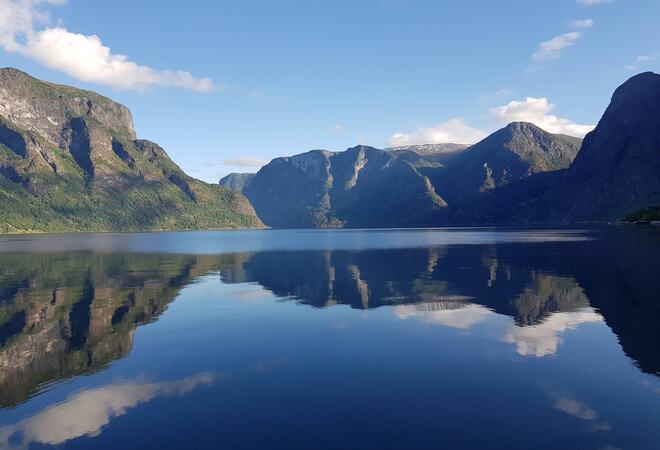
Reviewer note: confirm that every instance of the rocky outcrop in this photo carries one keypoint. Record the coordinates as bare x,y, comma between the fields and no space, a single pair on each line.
70,160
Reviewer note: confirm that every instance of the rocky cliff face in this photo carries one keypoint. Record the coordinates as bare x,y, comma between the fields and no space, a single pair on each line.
361,187
70,160
618,169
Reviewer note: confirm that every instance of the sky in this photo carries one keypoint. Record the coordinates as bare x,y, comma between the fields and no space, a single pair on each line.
225,86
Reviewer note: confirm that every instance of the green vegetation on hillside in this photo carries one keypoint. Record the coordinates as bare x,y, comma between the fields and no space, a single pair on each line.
70,161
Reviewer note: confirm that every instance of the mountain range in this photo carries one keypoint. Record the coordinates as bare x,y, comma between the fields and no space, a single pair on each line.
520,174
70,160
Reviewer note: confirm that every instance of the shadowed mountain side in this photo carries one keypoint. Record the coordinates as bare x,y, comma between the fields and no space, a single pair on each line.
616,172
361,187
399,187
70,161
515,152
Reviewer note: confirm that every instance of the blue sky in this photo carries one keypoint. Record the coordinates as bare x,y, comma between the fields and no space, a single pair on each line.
274,78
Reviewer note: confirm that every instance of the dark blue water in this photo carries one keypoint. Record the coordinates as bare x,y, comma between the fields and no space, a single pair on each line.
332,339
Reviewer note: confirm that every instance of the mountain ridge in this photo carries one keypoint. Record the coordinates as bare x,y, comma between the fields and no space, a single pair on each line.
425,192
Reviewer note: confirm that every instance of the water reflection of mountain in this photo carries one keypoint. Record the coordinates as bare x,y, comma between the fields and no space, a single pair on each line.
450,277
68,314
63,315
545,287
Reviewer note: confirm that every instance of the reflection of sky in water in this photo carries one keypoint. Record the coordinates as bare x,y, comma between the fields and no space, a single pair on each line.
534,340
87,412
543,339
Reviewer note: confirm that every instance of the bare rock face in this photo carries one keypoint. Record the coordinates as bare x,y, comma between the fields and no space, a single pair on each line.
70,160
48,109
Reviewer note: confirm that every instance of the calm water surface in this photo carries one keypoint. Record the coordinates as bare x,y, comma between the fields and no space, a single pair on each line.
332,339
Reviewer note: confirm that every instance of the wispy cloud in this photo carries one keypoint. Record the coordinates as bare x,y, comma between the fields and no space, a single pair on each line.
552,49
23,30
640,61
538,111
245,161
581,23
455,130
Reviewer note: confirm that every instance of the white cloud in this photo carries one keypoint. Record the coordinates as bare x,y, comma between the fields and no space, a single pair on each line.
549,50
452,131
246,161
640,61
80,56
583,23
537,111
87,412
593,2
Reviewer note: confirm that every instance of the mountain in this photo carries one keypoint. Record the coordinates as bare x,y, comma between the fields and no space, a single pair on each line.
435,152
618,169
616,172
236,181
360,187
400,186
70,160
512,153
